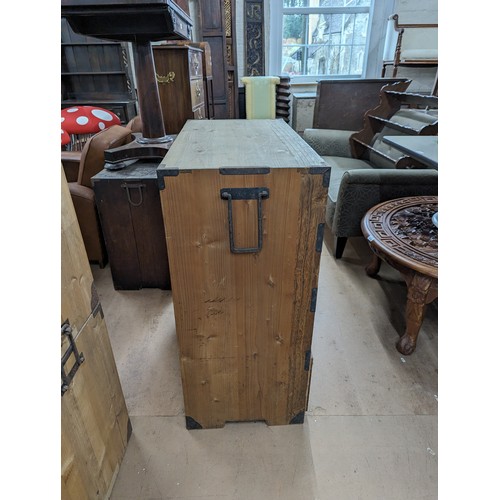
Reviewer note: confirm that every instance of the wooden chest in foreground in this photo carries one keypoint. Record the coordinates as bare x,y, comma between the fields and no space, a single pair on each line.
244,205
95,425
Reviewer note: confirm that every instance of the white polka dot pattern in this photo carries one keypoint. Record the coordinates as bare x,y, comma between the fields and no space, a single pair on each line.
87,119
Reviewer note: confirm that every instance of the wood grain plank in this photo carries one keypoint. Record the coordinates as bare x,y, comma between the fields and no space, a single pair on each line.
94,417
209,144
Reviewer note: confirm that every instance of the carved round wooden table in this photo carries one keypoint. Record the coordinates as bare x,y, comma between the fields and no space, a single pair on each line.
401,232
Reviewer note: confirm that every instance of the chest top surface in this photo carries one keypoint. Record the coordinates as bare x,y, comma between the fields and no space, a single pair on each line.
213,144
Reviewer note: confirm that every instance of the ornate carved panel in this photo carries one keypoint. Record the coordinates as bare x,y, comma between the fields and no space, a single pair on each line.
254,38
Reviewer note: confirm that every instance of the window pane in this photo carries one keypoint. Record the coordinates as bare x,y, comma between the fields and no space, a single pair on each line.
324,44
326,3
296,3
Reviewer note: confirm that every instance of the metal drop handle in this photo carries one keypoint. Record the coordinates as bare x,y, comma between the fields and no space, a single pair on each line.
230,194
138,186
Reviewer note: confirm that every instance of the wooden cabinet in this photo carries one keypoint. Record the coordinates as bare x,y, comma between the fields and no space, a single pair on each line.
96,72
207,73
128,203
95,426
179,73
244,208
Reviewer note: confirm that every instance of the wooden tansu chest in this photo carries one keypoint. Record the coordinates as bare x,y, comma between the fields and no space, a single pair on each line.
95,426
244,207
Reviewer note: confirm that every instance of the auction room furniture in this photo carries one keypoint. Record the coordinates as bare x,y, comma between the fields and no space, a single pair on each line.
82,194
96,72
128,203
365,150
402,233
179,74
423,148
208,80
410,45
244,208
95,426
341,104
139,22
361,189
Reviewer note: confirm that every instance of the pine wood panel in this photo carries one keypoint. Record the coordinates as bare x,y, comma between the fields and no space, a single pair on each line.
240,143
244,321
76,275
94,419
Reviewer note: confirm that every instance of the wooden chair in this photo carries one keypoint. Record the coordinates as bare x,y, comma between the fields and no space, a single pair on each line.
341,104
410,45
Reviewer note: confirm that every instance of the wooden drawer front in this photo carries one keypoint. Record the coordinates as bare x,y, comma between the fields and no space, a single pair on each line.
199,113
197,93
195,64
180,27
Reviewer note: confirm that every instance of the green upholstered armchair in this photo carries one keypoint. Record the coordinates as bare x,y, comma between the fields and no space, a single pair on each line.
362,189
357,185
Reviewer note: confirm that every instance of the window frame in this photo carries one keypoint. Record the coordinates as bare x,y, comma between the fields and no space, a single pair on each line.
378,11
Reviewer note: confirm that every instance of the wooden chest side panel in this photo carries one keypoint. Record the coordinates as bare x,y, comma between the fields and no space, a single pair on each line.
116,221
150,238
133,231
94,418
244,321
95,425
311,222
76,275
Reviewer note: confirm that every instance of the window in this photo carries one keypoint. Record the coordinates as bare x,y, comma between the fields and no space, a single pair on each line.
322,38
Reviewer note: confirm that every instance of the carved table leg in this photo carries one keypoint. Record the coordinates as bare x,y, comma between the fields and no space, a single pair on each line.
421,291
373,267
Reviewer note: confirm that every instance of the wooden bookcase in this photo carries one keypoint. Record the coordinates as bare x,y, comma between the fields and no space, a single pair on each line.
96,72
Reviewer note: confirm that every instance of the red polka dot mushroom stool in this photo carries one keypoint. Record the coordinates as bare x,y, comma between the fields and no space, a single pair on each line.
65,138
82,122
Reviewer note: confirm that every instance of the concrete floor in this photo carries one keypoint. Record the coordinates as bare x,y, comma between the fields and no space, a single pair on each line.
370,432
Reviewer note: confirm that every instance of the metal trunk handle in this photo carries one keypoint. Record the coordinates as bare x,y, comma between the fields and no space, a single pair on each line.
230,194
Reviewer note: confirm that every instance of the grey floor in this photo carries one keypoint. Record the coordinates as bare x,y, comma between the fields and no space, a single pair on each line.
370,432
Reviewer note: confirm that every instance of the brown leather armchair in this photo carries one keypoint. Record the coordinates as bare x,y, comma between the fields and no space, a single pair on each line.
82,194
